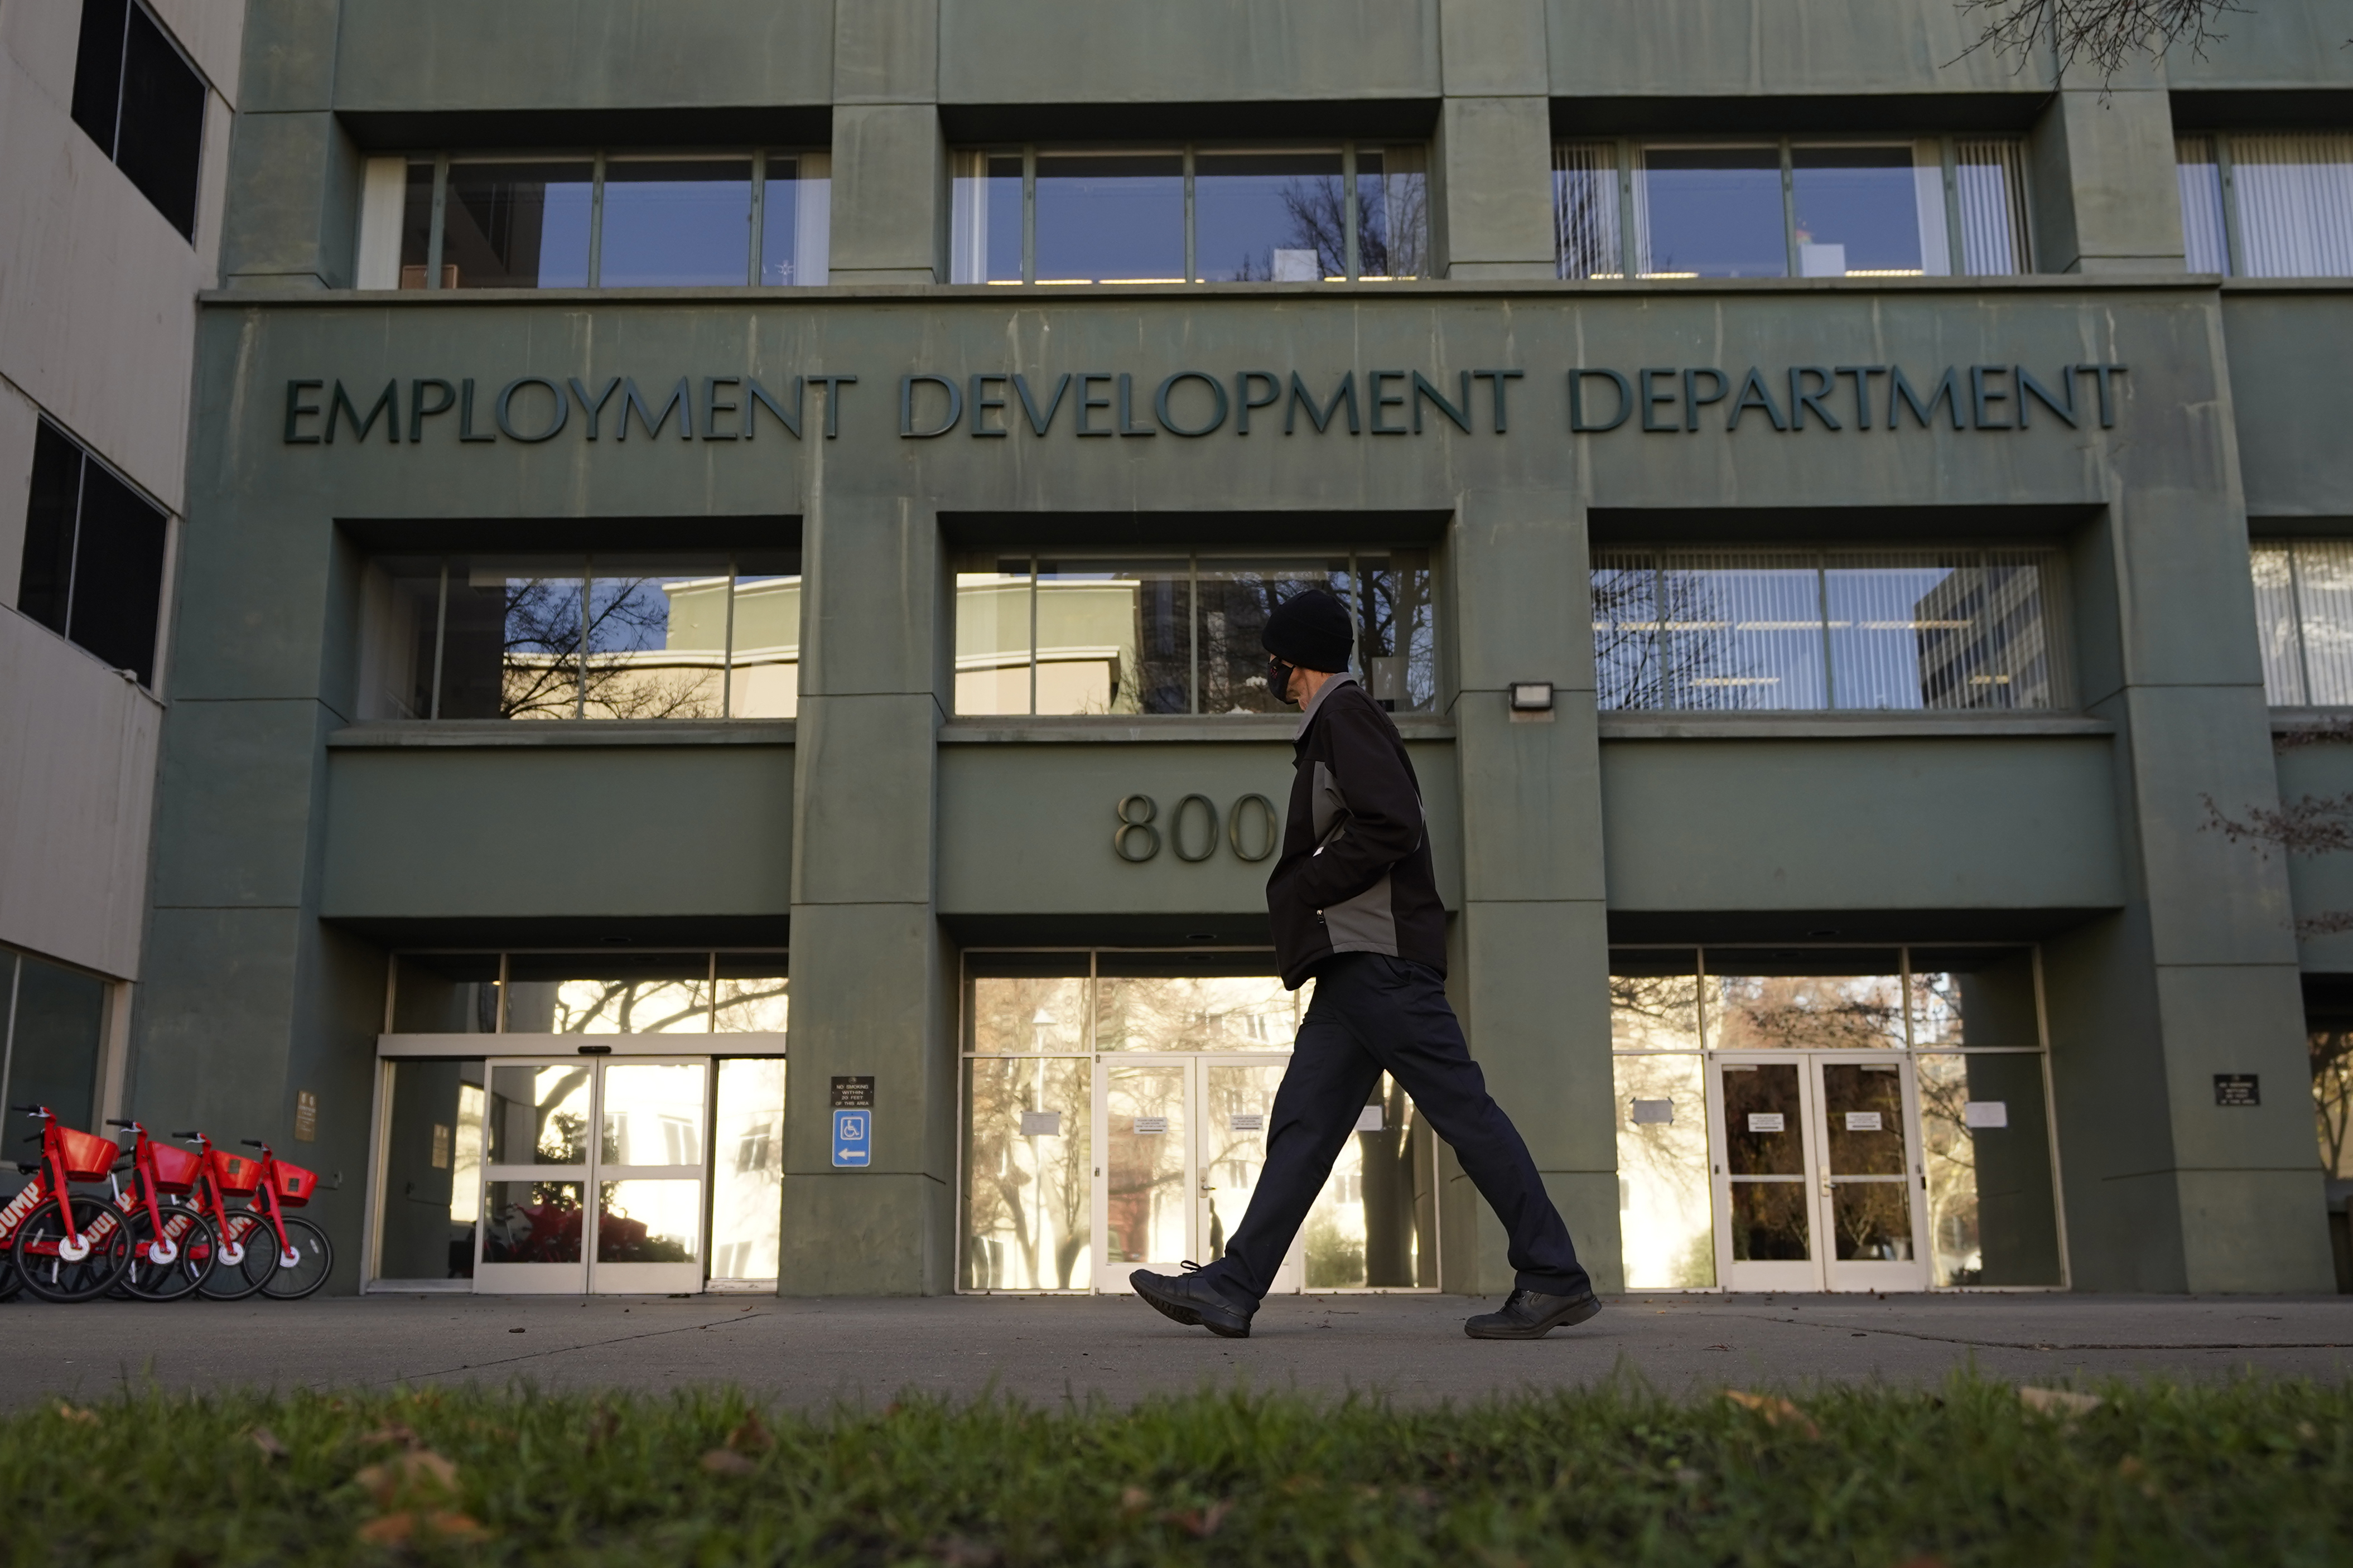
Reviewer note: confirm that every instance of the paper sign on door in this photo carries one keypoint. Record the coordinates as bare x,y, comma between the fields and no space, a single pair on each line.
1649,1112
1985,1113
1369,1119
1041,1125
1247,1122
1862,1122
1765,1121
1146,1126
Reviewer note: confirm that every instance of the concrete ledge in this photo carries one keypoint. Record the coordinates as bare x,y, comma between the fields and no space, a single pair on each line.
1842,727
1089,728
467,733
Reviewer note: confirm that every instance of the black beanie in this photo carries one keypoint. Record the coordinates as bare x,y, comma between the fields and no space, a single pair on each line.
1311,630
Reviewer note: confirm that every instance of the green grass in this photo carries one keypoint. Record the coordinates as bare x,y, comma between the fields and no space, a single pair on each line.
2256,1472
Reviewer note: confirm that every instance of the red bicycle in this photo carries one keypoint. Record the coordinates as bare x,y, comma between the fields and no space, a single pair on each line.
65,1245
173,1247
302,1257
224,1176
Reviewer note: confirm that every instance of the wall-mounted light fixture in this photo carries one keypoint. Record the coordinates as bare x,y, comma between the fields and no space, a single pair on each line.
1532,697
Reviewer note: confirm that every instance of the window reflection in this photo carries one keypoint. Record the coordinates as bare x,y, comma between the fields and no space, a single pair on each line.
675,222
1865,211
1807,1012
1269,217
1111,217
1710,212
517,225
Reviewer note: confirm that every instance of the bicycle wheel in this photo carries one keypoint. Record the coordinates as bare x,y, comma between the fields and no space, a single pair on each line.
42,1247
246,1235
309,1258
176,1265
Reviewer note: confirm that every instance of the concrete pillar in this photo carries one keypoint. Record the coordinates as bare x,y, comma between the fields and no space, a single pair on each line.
1491,166
870,995
2166,1189
293,173
2105,196
1534,986
890,161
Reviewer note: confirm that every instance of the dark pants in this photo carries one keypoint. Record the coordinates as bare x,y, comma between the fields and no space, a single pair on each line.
1373,1014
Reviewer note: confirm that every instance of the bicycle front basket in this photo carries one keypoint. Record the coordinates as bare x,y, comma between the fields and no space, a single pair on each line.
238,1177
175,1169
88,1156
295,1184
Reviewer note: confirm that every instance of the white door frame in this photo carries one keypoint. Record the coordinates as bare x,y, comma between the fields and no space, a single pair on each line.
1902,1276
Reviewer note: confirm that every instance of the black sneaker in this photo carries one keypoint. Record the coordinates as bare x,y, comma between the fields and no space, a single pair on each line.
1190,1299
1531,1315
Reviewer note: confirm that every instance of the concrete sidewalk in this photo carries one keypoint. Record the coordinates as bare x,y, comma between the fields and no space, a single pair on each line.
813,1353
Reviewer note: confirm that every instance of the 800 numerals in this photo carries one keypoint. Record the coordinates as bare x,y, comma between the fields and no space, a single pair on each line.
1193,828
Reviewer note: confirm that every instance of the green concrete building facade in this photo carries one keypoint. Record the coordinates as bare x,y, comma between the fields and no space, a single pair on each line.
750,521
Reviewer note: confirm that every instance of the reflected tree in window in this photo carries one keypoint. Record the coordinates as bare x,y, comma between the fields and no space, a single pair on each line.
1810,1013
559,663
1948,1153
1653,639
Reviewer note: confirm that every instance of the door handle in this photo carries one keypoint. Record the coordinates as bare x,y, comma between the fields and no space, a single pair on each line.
1209,1186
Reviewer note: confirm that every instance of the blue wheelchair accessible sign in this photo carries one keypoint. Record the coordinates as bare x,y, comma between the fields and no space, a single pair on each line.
853,1123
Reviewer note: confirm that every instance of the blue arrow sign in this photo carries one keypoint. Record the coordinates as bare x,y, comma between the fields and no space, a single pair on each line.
853,1139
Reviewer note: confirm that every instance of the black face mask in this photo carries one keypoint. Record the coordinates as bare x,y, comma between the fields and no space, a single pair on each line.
1278,680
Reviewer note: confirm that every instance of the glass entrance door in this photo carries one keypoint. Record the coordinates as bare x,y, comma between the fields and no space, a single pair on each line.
593,1176
1818,1185
1184,1140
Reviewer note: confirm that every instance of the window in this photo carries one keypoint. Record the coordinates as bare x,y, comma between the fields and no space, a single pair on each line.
1345,212
602,637
1801,629
2274,204
144,104
93,568
1934,206
1177,633
2303,614
52,1029
607,993
595,220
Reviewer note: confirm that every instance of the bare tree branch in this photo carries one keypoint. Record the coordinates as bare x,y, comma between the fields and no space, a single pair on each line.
2100,34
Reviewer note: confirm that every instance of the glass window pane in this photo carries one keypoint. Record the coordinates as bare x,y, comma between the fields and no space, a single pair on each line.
402,612
537,1115
753,996
1625,630
1858,210
648,1221
117,574
608,994
60,1028
676,223
1654,1000
1989,179
2324,592
1585,209
1375,1223
530,1222
1029,1176
985,219
796,222
657,640
2295,191
1986,1146
1158,1010
517,226
1905,633
1111,217
1013,1014
1665,1224
44,580
1743,632
1234,599
1145,1133
432,1170
2275,625
160,138
1818,1000
992,639
764,679
748,1169
1392,212
1112,637
1710,212
2201,179
511,645
653,1113
1974,996
1268,215
445,994
417,227
1397,642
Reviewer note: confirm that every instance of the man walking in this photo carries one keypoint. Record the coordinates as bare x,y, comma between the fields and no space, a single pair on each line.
1353,903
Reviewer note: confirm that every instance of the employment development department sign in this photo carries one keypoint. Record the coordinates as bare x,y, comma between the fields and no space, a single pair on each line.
1190,405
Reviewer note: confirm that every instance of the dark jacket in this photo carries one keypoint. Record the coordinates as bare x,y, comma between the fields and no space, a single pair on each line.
1355,875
